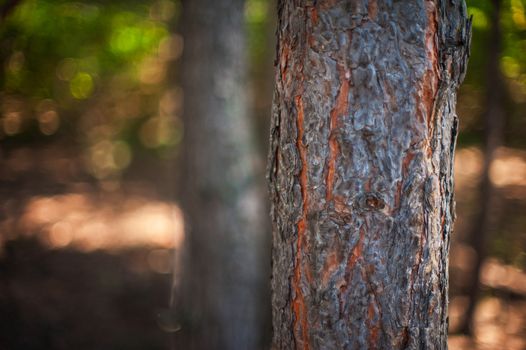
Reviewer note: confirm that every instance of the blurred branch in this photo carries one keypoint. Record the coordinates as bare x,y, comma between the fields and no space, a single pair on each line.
7,7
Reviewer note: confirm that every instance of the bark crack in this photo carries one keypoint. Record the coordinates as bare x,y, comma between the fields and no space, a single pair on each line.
299,306
340,108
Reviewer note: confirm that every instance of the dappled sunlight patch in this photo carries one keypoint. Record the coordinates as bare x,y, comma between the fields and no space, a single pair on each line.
468,167
508,168
499,324
499,276
88,222
500,315
492,317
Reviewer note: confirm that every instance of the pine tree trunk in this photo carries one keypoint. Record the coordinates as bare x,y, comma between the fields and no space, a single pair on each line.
360,168
218,302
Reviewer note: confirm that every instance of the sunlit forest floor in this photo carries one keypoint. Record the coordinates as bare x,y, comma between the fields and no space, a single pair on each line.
88,266
83,265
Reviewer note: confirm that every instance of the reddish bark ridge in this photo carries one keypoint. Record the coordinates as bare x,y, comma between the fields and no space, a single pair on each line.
360,169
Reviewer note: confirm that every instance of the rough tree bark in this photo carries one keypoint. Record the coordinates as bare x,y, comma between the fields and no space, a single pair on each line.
218,298
360,168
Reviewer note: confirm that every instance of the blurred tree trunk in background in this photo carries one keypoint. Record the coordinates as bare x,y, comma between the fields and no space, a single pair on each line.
219,302
360,167
262,78
493,132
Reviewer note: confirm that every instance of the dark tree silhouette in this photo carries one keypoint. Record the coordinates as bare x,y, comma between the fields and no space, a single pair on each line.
493,135
219,300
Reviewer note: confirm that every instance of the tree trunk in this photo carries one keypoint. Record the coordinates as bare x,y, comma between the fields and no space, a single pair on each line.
218,305
360,168
493,134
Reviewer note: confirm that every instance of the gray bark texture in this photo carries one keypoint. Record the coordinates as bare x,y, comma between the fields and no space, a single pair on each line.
362,143
218,297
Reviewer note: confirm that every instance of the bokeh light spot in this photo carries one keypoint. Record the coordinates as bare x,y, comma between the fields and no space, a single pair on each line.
480,21
256,11
171,48
517,10
125,40
48,122
61,234
121,154
510,67
81,86
160,131
12,123
152,71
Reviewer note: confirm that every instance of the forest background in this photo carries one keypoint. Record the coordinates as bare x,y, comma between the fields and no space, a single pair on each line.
90,129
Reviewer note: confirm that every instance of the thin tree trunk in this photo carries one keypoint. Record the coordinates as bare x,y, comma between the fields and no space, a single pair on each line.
360,169
493,129
219,301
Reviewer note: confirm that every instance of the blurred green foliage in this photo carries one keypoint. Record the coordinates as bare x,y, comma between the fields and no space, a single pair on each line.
472,97
257,14
507,236
92,72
